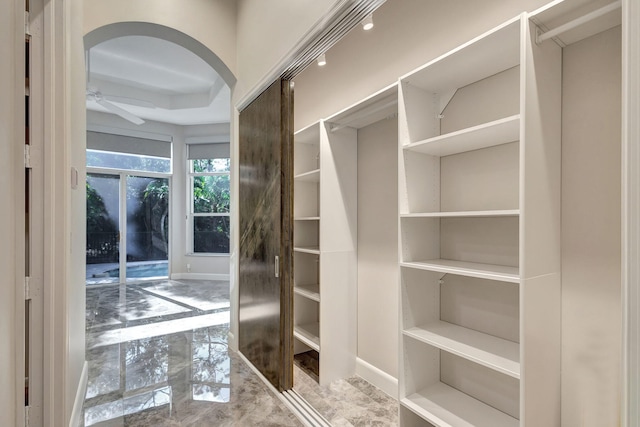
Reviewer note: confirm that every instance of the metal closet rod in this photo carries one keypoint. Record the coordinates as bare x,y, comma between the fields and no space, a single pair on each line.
362,113
579,21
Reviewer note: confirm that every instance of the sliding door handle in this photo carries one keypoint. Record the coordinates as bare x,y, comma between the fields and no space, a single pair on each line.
277,266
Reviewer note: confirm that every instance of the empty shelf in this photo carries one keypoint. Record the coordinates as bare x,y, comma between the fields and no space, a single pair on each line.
308,291
461,214
485,135
470,269
445,406
314,250
309,334
496,353
311,176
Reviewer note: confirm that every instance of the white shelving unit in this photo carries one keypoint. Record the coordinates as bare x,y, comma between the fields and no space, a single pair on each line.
325,247
479,171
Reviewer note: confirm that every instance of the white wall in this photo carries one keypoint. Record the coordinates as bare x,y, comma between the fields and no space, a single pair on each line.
199,265
10,136
268,31
378,245
591,259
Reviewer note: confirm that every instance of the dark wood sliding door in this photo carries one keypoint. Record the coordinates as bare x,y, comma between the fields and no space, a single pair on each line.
266,224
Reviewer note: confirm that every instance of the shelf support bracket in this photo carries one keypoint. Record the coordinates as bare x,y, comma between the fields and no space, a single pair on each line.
444,100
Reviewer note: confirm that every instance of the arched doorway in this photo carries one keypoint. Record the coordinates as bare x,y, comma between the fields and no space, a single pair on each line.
172,97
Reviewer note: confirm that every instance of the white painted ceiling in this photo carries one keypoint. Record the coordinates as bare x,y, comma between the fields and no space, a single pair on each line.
157,80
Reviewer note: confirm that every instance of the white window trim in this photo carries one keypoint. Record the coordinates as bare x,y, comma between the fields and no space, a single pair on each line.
191,215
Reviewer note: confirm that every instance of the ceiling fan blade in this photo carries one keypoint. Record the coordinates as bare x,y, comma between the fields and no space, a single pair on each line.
120,111
129,101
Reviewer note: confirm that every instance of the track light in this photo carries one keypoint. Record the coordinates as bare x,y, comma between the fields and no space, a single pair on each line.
367,22
322,60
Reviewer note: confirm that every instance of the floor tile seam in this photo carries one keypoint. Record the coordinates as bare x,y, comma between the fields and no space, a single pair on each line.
155,319
171,300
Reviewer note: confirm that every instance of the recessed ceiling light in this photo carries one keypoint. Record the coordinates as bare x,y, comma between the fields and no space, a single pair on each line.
367,23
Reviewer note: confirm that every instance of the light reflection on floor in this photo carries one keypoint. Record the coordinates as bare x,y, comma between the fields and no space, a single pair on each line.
158,356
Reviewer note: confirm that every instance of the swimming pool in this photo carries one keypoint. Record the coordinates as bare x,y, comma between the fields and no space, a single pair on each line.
159,269
110,273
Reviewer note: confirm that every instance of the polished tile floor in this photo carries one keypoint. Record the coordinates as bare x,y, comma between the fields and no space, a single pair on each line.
158,356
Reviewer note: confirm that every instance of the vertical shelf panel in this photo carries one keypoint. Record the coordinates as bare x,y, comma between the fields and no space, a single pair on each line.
338,259
540,253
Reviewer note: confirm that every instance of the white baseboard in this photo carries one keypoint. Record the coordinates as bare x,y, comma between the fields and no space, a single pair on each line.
76,415
377,377
231,341
199,276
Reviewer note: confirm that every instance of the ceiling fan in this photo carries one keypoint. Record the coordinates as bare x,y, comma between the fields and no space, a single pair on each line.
93,94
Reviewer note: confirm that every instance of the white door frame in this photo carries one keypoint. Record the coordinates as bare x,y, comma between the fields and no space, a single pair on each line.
631,211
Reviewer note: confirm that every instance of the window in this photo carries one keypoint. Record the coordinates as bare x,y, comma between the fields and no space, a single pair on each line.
209,192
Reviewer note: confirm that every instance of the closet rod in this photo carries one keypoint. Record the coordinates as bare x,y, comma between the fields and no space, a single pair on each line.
362,113
579,21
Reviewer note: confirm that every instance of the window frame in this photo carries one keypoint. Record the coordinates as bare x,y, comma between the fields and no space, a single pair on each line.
191,215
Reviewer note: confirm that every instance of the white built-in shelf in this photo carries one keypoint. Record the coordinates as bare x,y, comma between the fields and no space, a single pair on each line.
307,250
308,291
309,334
495,353
471,269
462,214
311,176
307,218
484,56
490,134
308,135
443,406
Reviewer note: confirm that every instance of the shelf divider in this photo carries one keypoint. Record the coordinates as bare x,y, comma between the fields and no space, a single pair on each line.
443,405
490,134
309,334
470,269
495,353
308,291
315,251
311,176
461,214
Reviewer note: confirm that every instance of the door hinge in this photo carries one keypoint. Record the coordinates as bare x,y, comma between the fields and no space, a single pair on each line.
27,288
31,157
27,30
31,288
27,156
